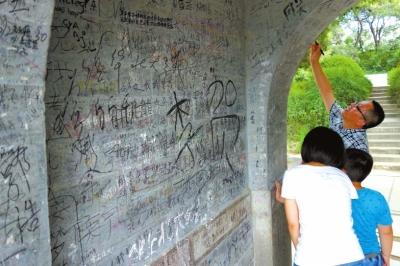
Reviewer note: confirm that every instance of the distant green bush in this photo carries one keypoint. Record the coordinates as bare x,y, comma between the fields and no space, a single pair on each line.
305,107
379,61
394,83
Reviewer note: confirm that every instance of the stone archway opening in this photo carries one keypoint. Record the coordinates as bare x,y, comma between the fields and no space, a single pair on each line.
272,85
383,181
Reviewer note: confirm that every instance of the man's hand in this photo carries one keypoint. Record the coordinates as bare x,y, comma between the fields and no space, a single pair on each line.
322,81
315,53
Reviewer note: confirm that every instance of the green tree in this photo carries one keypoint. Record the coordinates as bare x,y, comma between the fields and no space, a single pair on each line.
374,20
305,107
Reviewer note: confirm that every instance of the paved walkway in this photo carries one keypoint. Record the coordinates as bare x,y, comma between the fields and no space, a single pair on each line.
388,183
378,80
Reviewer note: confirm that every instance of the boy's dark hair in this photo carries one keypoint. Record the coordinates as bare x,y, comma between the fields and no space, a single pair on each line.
375,116
323,145
358,164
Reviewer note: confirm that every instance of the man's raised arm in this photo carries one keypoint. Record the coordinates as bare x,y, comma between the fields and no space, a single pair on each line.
322,81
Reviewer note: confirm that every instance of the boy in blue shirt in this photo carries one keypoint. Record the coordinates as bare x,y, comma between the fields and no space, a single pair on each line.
370,211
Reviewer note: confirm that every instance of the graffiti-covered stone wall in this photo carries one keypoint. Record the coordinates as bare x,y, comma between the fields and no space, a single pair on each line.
24,226
145,118
147,132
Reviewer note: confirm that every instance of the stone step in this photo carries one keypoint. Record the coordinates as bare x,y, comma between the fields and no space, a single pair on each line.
384,143
392,114
383,135
380,88
379,98
386,101
386,158
379,93
389,105
385,127
390,122
391,119
391,110
383,150
387,166
382,128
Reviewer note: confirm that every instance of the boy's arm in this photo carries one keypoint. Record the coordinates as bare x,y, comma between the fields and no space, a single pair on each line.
386,239
322,81
292,216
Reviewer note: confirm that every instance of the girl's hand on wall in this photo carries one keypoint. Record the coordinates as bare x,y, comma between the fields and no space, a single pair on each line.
278,192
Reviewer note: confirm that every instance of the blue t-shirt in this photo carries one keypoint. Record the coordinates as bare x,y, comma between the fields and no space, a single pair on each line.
369,211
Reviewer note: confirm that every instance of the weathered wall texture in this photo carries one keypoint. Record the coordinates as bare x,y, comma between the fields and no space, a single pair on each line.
145,119
163,123
24,227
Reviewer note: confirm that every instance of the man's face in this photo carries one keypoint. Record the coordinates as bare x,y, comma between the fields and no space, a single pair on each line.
356,113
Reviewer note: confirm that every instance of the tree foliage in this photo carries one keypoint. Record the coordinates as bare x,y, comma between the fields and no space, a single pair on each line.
367,37
305,107
394,84
373,20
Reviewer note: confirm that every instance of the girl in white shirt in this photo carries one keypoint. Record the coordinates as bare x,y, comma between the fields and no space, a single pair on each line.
318,204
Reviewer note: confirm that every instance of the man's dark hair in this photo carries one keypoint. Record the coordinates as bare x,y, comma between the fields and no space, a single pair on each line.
358,164
323,145
374,116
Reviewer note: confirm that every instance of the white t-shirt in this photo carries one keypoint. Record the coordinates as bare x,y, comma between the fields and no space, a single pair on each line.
323,195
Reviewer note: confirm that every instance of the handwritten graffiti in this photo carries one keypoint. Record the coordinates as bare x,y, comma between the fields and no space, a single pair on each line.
221,145
15,6
183,4
76,7
231,250
143,126
21,37
224,129
294,8
68,224
219,97
20,210
185,130
141,18
219,93
70,35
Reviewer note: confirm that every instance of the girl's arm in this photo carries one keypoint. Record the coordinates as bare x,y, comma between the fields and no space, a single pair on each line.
278,192
292,216
386,239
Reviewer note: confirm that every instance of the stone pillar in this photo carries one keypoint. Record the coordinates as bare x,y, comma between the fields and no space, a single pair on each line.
278,33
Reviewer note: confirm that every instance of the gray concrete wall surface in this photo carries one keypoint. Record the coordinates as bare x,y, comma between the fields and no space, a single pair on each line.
24,38
147,132
145,122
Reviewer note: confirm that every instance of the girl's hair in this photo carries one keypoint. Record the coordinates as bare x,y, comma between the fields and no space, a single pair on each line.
325,146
